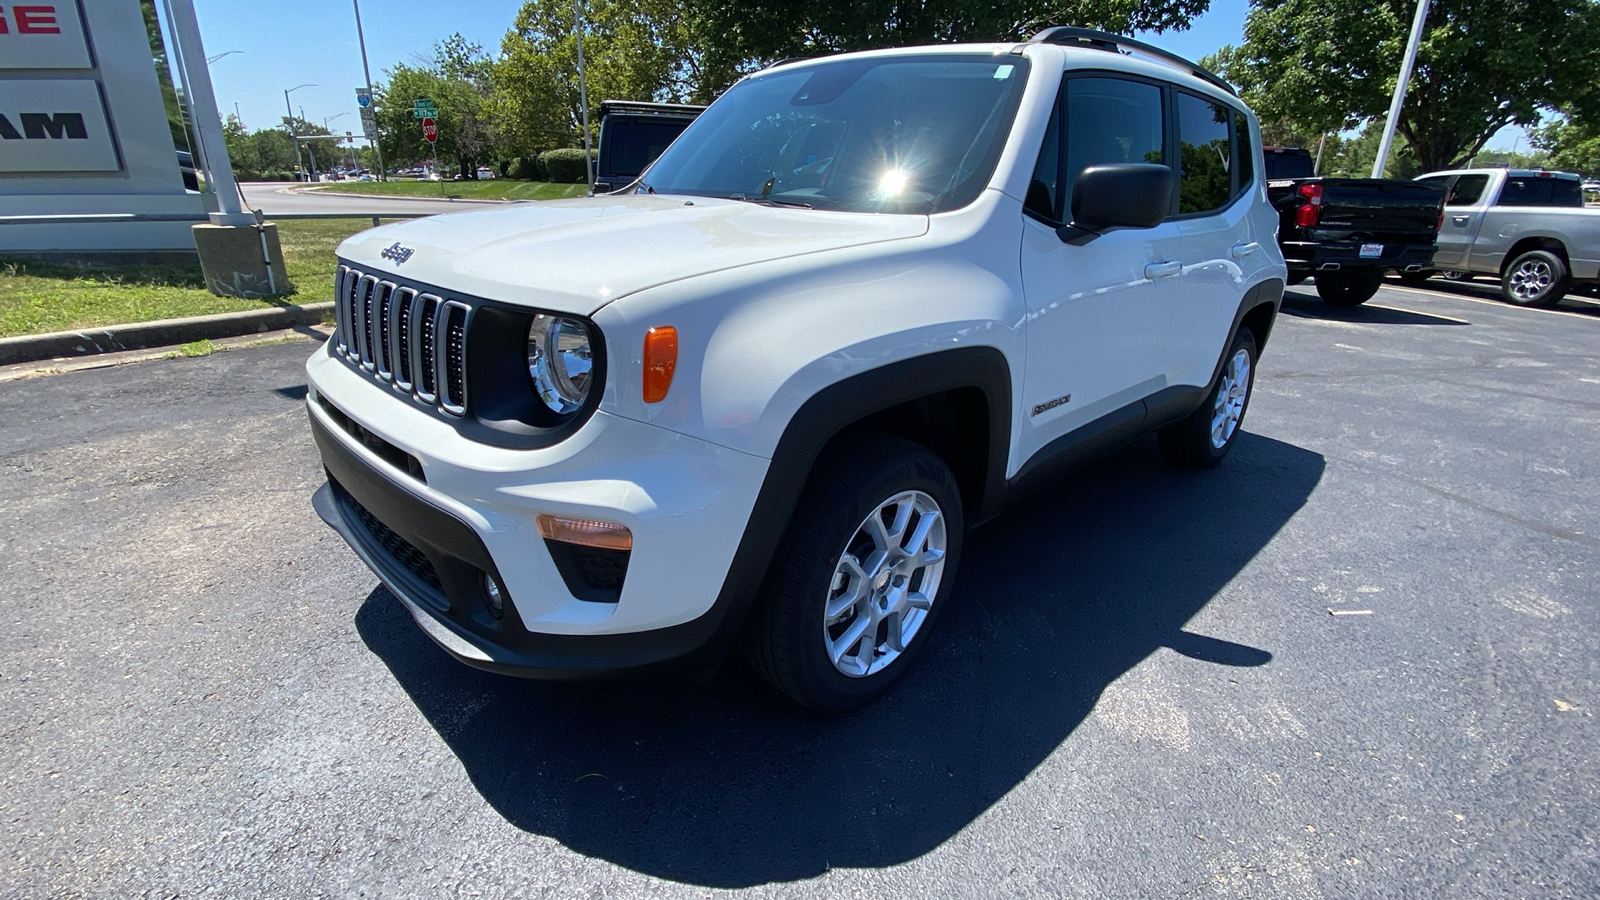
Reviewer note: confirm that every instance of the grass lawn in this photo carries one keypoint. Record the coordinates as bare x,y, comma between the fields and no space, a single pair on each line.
501,189
37,297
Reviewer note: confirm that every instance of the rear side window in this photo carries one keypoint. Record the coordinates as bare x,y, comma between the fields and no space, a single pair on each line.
1521,191
1244,151
1206,154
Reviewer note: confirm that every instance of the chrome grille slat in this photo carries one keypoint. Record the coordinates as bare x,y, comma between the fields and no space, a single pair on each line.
381,332
450,340
415,341
400,336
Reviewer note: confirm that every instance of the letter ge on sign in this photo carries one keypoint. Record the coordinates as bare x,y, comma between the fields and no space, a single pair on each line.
42,36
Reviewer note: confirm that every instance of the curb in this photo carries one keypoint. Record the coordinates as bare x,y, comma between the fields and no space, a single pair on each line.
165,333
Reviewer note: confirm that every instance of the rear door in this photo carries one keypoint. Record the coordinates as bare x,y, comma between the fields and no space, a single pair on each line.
1463,216
1221,249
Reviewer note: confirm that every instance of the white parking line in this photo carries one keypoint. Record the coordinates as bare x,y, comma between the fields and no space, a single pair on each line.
1501,304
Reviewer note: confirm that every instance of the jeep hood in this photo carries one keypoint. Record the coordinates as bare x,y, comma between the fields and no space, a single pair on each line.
576,256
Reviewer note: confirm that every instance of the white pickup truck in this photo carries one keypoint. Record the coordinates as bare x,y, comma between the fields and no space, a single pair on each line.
1528,227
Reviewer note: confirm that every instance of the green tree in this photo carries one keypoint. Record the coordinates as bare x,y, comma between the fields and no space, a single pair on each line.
459,80
1573,144
1330,65
633,50
766,30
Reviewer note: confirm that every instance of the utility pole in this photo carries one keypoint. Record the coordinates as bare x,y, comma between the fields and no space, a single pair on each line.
583,96
365,70
1400,89
311,148
293,134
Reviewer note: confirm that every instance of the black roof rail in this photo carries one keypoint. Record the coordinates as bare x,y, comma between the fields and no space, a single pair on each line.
1104,40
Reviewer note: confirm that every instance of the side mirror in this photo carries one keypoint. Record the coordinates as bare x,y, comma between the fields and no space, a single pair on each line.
1124,195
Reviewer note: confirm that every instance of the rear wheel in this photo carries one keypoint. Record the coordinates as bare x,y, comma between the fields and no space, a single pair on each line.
1354,289
1536,278
1205,437
870,561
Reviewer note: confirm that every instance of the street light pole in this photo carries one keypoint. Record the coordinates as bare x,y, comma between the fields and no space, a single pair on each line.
293,135
1400,89
583,96
365,70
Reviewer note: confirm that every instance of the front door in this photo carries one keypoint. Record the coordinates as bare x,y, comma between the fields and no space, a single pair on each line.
1098,313
1463,215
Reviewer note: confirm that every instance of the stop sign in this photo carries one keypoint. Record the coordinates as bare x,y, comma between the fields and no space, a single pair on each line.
430,130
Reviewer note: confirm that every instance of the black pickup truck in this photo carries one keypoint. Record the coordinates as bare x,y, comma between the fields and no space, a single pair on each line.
1348,231
632,135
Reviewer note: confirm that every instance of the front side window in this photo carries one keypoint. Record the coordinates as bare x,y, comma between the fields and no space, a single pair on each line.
1466,190
1108,121
888,134
1203,145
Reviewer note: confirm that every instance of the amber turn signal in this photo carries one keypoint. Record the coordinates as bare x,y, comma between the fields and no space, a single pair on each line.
586,532
660,359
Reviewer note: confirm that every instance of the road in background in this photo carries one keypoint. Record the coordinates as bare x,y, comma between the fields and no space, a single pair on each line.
282,198
1359,659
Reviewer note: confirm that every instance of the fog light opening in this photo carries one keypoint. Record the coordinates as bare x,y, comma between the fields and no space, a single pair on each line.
494,595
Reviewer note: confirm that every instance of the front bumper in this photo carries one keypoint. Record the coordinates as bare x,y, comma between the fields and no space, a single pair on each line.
432,513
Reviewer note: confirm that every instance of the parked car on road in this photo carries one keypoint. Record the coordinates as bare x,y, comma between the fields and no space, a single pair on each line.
1348,231
1527,227
759,399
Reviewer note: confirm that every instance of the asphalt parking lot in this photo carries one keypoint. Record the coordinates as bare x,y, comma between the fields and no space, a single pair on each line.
1361,659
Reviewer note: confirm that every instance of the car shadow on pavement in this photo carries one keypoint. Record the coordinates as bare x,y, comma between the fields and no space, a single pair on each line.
1310,306
726,784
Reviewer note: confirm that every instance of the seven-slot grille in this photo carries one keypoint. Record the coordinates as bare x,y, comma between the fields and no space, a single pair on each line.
414,341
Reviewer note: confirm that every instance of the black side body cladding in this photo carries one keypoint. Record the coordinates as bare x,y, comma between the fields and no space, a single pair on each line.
1259,309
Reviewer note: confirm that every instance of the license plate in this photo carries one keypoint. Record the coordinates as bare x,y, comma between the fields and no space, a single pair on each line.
1371,251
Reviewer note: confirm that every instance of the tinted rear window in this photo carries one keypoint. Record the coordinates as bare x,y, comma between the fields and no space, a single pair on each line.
1288,165
1520,191
628,145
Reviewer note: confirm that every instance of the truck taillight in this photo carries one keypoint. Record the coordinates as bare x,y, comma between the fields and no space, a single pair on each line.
1440,223
1310,205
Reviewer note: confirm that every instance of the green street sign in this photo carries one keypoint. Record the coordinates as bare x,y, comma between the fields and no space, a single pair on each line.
424,112
422,102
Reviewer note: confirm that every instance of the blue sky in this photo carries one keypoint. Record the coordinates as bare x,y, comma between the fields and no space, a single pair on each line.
293,42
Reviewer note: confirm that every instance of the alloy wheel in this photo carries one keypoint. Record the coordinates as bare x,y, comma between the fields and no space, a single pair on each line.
884,584
1531,279
1231,396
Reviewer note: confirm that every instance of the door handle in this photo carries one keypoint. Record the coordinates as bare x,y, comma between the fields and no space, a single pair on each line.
1240,251
1459,220
1162,270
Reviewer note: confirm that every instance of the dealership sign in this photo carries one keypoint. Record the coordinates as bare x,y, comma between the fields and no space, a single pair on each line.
54,126
42,35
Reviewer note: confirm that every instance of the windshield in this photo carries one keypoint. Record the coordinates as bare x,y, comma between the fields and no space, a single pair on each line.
887,134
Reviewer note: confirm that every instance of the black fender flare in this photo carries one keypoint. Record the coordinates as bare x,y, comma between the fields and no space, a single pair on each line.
820,419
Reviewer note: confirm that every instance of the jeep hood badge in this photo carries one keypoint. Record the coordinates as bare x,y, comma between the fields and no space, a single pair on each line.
397,253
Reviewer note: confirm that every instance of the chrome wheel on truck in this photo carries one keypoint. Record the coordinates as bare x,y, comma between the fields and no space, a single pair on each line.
1536,278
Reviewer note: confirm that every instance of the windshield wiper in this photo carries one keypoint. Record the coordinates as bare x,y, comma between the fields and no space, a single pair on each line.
769,201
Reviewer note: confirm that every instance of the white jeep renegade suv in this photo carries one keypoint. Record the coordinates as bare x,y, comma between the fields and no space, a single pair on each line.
761,393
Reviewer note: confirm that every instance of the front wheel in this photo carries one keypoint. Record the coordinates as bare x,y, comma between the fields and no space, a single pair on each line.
1339,289
870,560
1536,278
1205,437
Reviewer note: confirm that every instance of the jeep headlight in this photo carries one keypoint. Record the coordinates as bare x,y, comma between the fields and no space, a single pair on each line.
560,361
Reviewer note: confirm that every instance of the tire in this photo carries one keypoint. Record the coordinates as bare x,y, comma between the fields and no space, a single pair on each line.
1453,275
1536,278
1205,437
832,553
1415,279
1338,289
